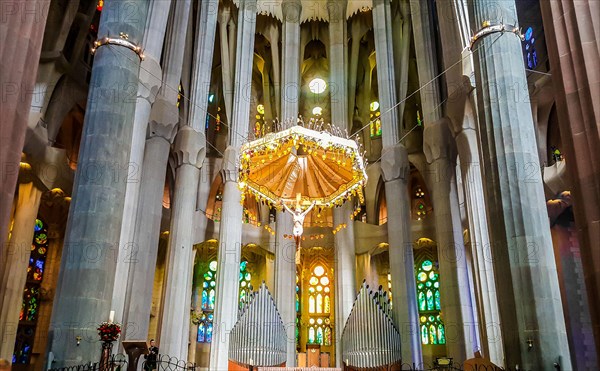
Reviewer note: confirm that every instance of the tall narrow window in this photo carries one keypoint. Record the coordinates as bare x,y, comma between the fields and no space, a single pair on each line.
375,120
28,316
319,307
205,325
428,297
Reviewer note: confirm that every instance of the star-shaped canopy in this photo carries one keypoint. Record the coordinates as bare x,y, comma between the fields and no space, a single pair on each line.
302,164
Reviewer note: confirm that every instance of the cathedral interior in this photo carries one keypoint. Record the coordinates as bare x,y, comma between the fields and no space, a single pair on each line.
471,232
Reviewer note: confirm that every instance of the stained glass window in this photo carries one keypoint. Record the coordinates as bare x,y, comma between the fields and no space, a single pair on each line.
319,306
428,296
530,54
205,325
375,120
28,315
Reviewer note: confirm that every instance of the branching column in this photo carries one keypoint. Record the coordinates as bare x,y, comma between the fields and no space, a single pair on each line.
189,155
285,262
345,256
87,274
394,162
468,150
149,83
440,151
190,145
15,275
159,132
533,321
395,168
161,129
230,229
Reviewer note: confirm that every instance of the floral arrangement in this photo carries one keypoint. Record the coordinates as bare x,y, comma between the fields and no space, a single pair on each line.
109,331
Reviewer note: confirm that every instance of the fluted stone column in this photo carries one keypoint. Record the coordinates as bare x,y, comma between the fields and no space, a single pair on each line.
345,256
468,150
149,84
15,275
396,171
440,151
515,195
285,258
84,292
230,229
159,132
394,163
189,153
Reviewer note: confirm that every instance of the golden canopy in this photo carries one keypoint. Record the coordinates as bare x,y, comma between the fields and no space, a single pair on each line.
302,164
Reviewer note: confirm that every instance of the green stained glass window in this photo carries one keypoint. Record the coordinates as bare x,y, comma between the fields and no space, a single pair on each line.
428,296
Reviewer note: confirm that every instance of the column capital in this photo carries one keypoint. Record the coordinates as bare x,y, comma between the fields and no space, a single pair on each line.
292,10
190,147
394,163
438,141
230,167
164,118
150,78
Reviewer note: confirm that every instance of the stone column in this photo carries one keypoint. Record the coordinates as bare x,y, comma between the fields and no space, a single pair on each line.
468,149
159,131
22,33
394,168
230,229
457,309
84,292
189,154
285,257
149,84
396,171
345,257
285,281
15,275
574,60
534,329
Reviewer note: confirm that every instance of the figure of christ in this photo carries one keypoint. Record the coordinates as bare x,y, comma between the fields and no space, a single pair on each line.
298,216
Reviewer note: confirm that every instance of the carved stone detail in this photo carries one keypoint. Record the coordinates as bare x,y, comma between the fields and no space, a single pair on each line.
150,79
394,163
230,169
438,141
190,147
164,118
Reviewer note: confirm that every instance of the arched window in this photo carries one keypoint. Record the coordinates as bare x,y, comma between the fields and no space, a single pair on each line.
428,297
319,307
28,316
205,323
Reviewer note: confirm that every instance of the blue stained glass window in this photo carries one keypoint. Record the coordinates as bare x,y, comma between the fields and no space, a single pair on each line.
204,299
209,331
201,332
205,327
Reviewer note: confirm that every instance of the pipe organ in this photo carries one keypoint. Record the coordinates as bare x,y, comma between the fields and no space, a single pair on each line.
370,338
258,337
